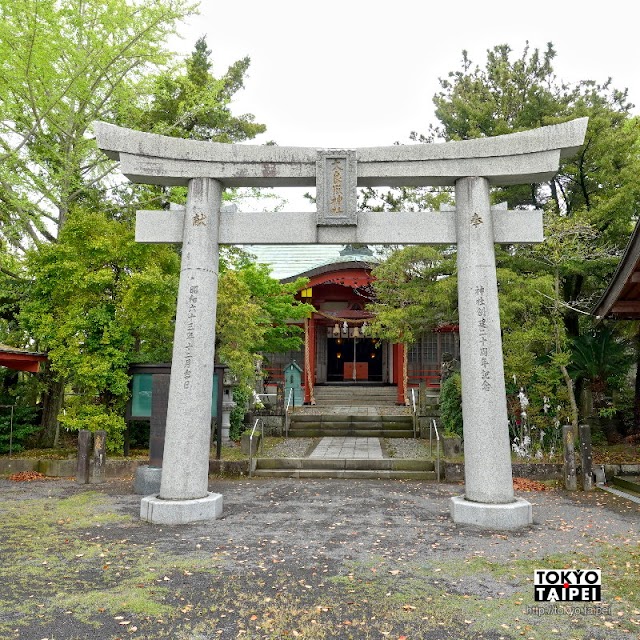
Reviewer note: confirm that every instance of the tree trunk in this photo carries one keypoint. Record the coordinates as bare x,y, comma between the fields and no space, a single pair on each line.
572,400
565,373
571,288
554,194
51,405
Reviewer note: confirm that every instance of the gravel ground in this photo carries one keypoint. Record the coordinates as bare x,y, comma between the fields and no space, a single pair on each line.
315,559
291,448
393,448
406,448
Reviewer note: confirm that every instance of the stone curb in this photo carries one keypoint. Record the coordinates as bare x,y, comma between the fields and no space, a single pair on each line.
113,468
453,471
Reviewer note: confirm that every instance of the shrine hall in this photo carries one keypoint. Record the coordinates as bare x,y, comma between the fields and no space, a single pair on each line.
338,349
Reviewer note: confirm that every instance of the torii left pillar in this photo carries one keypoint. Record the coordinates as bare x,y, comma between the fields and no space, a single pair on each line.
184,495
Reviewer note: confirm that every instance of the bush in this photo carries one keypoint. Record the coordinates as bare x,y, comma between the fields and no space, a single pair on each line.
241,397
139,434
451,405
25,424
80,414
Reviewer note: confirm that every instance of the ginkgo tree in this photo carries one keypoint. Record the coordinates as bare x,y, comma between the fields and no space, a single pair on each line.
72,281
63,65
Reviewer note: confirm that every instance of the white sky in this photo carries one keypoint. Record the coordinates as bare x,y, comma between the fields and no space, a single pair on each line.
354,73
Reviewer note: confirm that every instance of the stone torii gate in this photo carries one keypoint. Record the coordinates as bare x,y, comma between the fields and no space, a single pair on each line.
472,166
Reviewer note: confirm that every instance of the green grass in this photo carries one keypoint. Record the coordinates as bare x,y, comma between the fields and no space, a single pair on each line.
441,593
49,562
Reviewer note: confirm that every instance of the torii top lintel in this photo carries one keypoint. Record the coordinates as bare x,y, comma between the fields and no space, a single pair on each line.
516,158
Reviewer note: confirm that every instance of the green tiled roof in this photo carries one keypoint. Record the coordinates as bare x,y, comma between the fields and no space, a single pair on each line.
290,260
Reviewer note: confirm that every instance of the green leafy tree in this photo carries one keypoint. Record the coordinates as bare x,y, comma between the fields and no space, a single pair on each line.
254,314
512,94
15,436
451,406
193,103
279,308
601,360
62,66
413,293
98,301
238,326
590,205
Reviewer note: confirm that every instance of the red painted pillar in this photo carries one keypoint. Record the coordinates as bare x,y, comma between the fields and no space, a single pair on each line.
309,360
305,375
399,372
394,364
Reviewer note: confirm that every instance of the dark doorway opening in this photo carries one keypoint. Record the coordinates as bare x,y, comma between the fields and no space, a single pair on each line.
354,360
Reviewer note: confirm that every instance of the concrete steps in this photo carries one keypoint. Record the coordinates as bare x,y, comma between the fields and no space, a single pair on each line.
370,469
347,395
363,426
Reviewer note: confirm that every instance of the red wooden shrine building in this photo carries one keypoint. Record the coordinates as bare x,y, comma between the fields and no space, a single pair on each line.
21,359
337,349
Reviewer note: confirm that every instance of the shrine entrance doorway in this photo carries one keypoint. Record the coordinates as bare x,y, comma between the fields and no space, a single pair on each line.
354,360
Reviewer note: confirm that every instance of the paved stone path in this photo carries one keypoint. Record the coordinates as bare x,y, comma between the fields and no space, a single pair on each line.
617,492
351,448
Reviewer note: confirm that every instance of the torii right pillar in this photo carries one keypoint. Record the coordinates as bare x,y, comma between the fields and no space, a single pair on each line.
489,499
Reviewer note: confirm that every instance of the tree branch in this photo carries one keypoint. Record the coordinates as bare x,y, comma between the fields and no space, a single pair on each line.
10,273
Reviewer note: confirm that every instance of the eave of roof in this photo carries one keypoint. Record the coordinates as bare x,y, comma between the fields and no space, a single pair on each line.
621,300
21,359
345,262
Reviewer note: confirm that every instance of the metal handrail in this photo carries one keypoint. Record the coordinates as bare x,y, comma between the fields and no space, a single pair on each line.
266,395
435,426
286,413
415,413
258,420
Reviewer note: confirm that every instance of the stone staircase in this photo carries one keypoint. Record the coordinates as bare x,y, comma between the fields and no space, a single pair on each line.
366,411
371,425
386,468
350,411
348,395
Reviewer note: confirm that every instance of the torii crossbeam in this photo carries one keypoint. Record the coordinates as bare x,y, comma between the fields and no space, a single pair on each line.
472,166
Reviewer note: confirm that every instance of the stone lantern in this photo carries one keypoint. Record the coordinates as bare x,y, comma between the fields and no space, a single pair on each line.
230,382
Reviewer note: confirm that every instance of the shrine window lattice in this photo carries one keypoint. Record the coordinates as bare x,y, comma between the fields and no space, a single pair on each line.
424,361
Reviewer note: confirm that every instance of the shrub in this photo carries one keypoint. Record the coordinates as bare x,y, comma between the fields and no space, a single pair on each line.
241,397
80,414
451,405
25,424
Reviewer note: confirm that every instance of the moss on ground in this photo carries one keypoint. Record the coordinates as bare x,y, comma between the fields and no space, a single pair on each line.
54,557
79,562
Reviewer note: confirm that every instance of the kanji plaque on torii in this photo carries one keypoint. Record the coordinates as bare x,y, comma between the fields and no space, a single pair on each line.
472,166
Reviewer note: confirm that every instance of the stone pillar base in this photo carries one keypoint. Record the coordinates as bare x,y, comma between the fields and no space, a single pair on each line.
147,480
157,511
511,515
